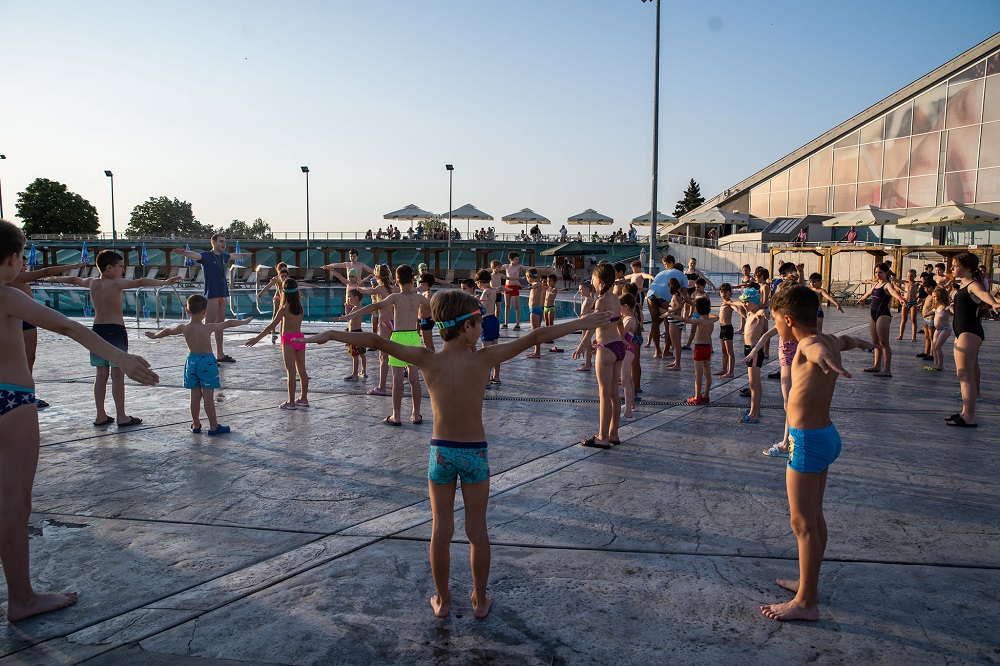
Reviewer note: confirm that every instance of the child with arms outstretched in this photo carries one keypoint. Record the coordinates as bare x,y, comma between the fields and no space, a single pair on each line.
293,354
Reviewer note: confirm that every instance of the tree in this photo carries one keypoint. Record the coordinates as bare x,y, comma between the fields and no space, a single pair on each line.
47,207
692,199
163,217
259,230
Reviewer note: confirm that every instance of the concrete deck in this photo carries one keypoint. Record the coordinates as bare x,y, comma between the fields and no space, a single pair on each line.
302,538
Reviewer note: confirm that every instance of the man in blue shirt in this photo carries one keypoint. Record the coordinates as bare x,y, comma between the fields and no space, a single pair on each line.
659,296
215,265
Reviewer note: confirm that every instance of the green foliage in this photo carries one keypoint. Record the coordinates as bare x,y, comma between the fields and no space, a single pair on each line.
692,199
163,217
259,230
47,207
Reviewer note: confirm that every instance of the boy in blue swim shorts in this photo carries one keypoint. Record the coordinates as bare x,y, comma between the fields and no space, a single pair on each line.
458,441
813,440
201,371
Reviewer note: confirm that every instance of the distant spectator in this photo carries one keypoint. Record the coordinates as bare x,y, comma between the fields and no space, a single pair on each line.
562,234
368,235
801,238
420,231
851,235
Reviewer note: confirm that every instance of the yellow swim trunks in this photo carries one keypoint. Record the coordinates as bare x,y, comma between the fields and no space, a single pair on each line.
408,338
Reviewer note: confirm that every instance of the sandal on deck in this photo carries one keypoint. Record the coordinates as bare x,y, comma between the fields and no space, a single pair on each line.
592,442
960,422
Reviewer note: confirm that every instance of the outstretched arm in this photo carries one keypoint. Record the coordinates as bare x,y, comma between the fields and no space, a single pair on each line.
496,354
415,355
977,289
833,301
50,271
368,309
76,281
229,323
187,253
771,332
278,314
149,282
164,332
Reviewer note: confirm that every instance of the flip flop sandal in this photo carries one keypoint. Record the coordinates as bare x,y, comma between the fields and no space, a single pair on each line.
388,421
195,430
960,422
107,421
132,421
220,430
775,452
591,442
377,391
418,421
956,415
301,403
226,359
287,406
693,401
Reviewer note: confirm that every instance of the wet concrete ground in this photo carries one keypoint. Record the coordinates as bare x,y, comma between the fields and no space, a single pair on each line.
302,537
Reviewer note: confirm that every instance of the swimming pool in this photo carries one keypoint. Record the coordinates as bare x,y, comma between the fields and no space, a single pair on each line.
319,303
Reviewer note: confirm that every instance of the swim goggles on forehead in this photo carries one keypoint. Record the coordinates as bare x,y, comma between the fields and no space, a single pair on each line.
452,322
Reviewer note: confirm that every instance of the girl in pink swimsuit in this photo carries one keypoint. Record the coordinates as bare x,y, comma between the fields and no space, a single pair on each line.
289,316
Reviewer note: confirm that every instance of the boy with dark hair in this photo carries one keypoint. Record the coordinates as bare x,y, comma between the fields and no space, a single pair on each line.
512,289
458,444
536,306
702,324
109,323
201,370
19,423
491,324
814,442
405,306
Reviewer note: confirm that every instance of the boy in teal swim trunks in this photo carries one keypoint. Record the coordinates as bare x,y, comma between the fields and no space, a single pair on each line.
201,371
456,377
813,440
405,307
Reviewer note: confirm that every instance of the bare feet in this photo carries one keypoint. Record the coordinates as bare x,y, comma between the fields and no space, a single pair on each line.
40,603
788,584
718,374
532,355
790,611
672,367
440,609
874,368
727,375
899,337
882,374
483,609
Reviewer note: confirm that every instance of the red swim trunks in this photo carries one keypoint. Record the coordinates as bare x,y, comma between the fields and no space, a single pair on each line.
703,352
512,290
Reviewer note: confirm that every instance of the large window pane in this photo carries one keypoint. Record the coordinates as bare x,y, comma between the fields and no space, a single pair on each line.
989,150
797,202
928,110
960,187
818,204
847,141
989,185
798,176
780,182
844,198
870,162
898,122
779,204
963,149
991,107
869,193
873,131
924,154
965,104
993,64
897,158
922,191
975,71
821,168
894,193
763,188
758,205
845,165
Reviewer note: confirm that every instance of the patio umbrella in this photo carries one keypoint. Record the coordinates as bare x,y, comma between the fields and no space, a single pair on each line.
188,261
643,221
713,216
410,212
143,257
33,257
951,214
84,255
466,212
239,262
590,217
867,216
525,216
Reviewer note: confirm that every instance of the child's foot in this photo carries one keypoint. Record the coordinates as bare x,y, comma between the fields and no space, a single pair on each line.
42,603
882,374
517,327
728,375
752,420
792,585
694,401
503,326
287,406
532,355
196,428
704,400
301,403
790,611
874,368
777,452
583,368
131,421
673,368
440,608
416,420
363,376
482,610
595,443
720,373
899,337
351,378
494,380
219,430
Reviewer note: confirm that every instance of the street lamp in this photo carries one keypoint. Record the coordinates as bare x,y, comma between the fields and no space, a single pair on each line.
451,169
656,126
114,235
305,170
2,157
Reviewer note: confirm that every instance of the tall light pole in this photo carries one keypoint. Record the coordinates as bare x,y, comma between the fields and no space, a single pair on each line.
114,234
305,170
656,127
2,157
451,170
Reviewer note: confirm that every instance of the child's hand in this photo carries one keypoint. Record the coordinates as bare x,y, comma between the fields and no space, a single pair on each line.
137,368
577,354
174,279
594,319
252,341
150,335
244,322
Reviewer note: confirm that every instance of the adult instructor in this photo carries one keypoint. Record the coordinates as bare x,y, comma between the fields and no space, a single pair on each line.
659,297
215,265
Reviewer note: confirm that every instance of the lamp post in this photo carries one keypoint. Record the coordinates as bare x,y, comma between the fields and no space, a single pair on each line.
451,169
305,170
656,126
114,234
2,157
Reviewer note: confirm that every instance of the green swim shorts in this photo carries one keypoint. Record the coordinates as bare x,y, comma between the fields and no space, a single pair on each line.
407,338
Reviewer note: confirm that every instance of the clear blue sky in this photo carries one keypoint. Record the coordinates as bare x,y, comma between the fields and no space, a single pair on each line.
544,104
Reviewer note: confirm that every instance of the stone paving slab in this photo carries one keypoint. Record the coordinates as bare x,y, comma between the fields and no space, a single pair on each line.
301,538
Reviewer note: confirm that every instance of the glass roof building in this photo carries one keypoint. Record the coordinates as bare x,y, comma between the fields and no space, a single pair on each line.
936,140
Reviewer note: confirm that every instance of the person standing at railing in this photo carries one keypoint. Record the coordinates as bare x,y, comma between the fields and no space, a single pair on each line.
215,267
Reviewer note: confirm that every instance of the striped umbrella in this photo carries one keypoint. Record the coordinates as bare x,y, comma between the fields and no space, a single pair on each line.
143,257
84,255
33,257
239,262
188,261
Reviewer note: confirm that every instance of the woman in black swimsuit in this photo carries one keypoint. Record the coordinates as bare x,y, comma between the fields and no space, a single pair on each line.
881,295
969,334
